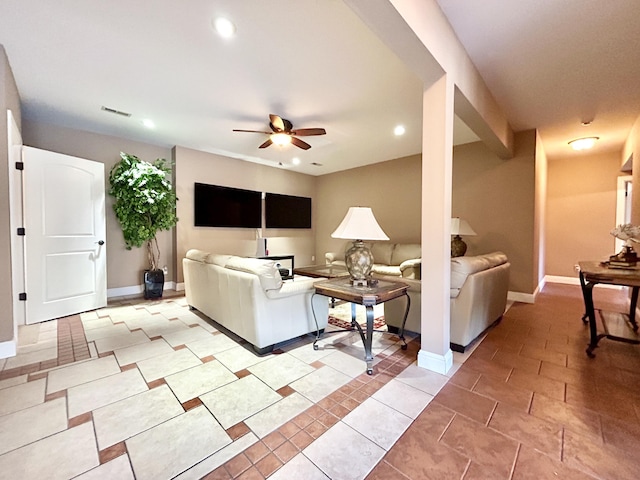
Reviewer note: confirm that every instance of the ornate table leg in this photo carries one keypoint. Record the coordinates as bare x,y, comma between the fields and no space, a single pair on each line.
404,320
632,308
313,311
587,294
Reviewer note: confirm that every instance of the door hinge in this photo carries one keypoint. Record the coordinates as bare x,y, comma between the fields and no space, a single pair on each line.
22,231
19,165
22,297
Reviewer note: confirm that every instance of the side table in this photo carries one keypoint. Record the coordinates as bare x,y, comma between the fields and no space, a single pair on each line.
369,296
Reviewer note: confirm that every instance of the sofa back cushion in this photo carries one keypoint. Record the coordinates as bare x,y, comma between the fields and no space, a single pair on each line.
405,251
266,270
217,259
197,255
382,252
462,267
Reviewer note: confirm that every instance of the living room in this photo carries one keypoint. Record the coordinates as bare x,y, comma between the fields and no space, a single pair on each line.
544,213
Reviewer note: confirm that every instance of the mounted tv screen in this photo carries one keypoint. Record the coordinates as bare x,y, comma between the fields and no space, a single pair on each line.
216,206
286,211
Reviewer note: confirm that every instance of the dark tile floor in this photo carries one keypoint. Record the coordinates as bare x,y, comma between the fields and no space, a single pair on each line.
529,403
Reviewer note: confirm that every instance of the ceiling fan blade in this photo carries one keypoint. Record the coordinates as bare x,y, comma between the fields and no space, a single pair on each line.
251,131
276,123
299,143
305,132
266,144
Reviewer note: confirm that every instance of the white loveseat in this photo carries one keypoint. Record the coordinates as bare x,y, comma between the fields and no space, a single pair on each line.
391,259
248,297
479,288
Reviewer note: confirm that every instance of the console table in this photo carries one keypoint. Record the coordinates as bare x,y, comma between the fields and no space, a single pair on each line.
369,296
623,326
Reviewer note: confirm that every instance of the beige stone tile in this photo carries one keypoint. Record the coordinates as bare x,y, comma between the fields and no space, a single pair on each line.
280,370
303,350
378,422
340,446
22,396
191,318
223,455
422,379
28,334
176,445
193,382
96,322
104,391
239,400
299,467
10,382
161,326
211,346
167,364
114,342
60,456
183,336
404,398
239,358
320,383
39,345
126,418
30,357
351,363
86,316
79,373
31,424
276,415
136,353
106,331
119,468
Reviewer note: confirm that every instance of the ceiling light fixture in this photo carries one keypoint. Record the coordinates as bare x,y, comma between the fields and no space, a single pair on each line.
399,130
280,139
583,143
224,27
295,161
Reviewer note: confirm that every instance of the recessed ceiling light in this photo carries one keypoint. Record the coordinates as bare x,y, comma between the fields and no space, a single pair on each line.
295,161
224,27
399,130
148,123
583,143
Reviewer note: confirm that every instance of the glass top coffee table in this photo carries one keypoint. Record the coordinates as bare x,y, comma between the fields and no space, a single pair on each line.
322,271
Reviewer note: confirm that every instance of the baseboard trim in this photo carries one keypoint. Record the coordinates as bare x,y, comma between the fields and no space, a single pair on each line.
522,297
8,348
575,281
436,363
180,287
134,290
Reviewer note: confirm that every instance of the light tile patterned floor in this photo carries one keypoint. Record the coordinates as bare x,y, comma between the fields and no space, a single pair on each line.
166,394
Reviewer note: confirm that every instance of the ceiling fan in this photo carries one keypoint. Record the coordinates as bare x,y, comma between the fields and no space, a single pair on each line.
282,133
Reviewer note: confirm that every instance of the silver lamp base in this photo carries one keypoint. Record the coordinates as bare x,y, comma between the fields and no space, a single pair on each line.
359,262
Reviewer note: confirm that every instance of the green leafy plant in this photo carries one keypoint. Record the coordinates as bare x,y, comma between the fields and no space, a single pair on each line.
145,202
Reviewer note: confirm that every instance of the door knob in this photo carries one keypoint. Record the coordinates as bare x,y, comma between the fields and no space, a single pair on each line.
101,242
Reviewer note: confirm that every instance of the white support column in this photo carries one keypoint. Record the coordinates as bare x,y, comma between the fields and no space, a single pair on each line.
437,160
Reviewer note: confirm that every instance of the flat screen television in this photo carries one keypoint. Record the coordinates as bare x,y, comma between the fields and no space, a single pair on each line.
287,211
216,206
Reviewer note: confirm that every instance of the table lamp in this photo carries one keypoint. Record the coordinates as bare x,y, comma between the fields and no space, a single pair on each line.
359,224
459,227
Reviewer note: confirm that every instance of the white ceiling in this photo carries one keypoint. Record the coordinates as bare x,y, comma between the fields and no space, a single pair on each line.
315,63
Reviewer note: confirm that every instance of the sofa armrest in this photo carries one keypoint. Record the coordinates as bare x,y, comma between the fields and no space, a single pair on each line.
299,286
411,268
331,257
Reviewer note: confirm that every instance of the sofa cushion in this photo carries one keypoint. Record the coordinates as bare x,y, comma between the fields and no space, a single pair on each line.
382,252
217,259
197,255
405,251
266,270
462,267
390,270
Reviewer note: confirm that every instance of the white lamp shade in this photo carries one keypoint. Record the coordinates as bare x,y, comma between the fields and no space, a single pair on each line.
459,226
360,224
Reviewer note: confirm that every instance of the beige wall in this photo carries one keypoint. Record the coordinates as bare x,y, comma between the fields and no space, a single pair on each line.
124,267
195,166
9,100
392,189
497,198
581,210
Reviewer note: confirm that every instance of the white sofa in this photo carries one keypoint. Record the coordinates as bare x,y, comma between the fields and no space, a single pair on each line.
391,259
479,287
248,297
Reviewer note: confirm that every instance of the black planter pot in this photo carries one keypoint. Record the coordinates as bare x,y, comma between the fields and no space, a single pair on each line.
153,283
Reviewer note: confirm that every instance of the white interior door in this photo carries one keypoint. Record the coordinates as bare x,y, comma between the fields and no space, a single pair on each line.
66,268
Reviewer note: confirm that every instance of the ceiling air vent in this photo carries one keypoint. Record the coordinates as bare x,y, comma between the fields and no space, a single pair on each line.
117,112
316,164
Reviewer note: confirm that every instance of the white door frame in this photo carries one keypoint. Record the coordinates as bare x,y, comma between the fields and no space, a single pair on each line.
623,205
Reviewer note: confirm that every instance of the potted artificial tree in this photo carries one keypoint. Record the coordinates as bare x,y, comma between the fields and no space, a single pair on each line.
145,203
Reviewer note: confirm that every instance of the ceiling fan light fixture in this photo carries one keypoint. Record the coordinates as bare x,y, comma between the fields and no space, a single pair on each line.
224,27
584,143
280,139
